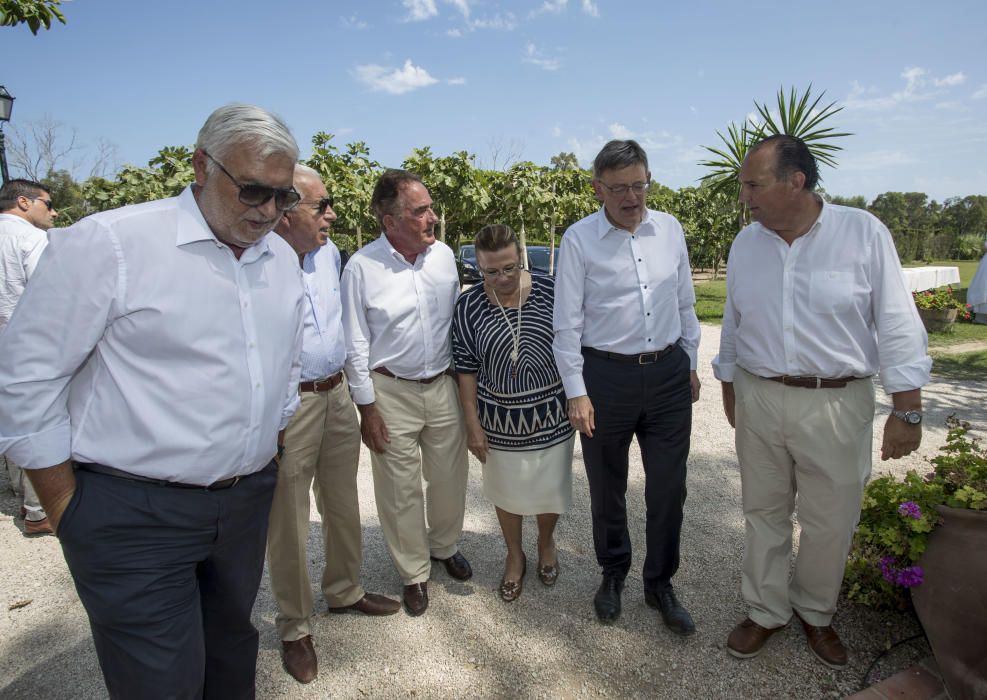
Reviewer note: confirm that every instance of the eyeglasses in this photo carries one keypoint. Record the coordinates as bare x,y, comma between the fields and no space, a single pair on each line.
46,202
323,204
621,190
506,272
259,195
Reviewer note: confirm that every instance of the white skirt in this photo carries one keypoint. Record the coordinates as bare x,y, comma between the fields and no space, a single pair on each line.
531,482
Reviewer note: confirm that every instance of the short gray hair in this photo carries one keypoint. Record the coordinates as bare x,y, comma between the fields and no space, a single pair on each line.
619,154
236,124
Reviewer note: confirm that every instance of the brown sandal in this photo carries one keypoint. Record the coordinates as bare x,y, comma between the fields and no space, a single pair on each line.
548,574
511,590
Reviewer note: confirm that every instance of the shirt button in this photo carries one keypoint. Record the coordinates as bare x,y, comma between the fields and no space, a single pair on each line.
649,340
645,286
251,345
244,304
257,385
649,313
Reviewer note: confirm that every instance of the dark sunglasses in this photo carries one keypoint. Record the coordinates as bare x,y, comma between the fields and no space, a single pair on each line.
46,202
259,195
323,204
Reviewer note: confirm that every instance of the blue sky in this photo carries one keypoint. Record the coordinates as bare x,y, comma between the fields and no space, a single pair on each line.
528,79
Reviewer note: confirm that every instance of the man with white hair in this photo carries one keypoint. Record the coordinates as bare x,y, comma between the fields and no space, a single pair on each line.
322,446
26,213
144,384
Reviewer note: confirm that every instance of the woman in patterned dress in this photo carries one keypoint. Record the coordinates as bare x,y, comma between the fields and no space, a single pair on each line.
513,401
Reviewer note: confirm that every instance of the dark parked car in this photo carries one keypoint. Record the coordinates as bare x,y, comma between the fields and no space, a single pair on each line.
469,273
538,259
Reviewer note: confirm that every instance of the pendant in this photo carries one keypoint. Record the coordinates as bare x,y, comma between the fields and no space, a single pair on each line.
514,356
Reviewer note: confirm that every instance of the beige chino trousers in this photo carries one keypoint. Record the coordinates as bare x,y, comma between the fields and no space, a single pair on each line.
322,453
428,443
813,447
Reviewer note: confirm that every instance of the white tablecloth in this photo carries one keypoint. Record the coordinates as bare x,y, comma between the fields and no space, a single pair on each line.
921,278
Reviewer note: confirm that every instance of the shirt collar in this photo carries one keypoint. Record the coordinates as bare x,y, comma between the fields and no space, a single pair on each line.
20,220
393,252
192,227
603,225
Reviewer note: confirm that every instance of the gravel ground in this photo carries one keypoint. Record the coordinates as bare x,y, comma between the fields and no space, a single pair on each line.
546,644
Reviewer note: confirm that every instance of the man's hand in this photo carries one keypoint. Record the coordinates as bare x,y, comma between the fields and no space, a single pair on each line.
900,438
372,428
581,415
694,384
729,403
476,442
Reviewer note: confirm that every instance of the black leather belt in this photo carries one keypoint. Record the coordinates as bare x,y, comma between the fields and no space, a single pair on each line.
644,358
812,382
427,380
120,474
320,385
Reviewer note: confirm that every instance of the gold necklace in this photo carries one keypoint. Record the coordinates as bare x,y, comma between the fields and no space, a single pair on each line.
515,336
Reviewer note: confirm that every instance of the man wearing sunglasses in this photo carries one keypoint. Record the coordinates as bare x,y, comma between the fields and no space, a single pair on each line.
626,343
26,213
144,381
322,444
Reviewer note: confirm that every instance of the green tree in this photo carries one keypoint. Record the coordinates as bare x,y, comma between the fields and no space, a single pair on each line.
857,201
349,177
166,175
566,160
66,195
912,220
34,13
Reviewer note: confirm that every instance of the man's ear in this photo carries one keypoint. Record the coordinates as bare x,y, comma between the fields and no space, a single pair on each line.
798,180
199,165
598,190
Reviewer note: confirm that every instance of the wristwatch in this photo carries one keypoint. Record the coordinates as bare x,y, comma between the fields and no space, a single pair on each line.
910,417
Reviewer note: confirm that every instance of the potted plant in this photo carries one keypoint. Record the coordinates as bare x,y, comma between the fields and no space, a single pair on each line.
928,535
939,309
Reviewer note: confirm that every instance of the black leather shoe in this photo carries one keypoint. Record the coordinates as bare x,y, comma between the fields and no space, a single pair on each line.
607,599
456,566
676,617
416,598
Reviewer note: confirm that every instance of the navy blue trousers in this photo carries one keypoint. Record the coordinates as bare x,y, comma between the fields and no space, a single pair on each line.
653,403
168,577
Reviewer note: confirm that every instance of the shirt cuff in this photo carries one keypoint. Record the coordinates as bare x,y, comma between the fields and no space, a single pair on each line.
723,371
363,393
906,377
288,411
574,386
40,450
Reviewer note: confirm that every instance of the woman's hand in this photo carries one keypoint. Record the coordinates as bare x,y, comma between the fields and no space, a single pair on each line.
476,442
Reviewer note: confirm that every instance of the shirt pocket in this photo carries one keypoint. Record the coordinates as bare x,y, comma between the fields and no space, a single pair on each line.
831,291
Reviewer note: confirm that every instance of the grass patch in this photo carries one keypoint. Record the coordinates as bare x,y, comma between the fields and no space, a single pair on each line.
711,296
967,365
962,333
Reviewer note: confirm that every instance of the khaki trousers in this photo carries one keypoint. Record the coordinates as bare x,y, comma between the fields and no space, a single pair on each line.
322,444
813,445
428,442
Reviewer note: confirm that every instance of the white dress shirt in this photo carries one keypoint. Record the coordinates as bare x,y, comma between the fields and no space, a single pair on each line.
21,245
143,344
622,292
323,348
833,304
397,315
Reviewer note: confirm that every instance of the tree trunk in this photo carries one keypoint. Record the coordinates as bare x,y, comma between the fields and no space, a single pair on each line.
359,238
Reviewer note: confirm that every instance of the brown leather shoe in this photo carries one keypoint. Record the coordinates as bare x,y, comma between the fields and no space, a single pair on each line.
299,659
825,644
456,566
370,604
38,527
416,598
748,638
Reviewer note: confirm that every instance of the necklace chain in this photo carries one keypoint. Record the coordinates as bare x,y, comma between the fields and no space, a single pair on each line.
515,336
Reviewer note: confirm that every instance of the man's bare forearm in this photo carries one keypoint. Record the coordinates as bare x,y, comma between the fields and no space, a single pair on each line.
55,487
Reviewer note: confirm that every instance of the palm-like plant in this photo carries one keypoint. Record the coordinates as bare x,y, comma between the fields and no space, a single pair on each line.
796,116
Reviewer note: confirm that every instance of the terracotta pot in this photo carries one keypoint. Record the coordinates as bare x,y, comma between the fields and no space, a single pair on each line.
938,320
952,601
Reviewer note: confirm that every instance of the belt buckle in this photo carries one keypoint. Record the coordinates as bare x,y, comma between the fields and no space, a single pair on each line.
317,385
654,358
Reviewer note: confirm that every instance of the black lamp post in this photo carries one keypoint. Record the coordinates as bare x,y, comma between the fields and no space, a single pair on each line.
6,107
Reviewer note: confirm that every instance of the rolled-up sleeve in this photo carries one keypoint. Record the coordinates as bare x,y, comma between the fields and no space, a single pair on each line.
59,319
570,280
357,333
687,306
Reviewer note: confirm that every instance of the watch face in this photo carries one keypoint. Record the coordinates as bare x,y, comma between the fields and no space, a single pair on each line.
913,418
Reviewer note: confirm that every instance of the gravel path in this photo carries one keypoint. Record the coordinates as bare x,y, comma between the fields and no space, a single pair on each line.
548,643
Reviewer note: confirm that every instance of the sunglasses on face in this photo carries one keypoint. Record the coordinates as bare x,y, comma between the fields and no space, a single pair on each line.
46,202
259,195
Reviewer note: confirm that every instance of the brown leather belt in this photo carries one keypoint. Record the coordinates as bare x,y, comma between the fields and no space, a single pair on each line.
320,385
644,358
812,382
427,380
120,474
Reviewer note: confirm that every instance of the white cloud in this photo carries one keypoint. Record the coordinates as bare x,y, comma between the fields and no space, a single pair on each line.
537,57
981,92
619,131
950,80
395,81
456,81
419,10
554,7
454,33
352,22
506,22
590,8
462,5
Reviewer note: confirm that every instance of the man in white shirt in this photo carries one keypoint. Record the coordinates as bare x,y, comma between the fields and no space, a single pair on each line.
399,293
26,213
322,445
626,338
816,305
144,381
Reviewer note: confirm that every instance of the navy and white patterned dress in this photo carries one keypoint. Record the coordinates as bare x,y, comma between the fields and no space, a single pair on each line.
524,416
